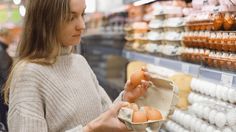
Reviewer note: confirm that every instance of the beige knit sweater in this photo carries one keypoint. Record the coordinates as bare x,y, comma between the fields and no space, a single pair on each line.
63,96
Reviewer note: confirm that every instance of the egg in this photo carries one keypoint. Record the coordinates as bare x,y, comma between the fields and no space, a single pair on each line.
231,117
232,95
220,119
193,123
187,121
218,92
212,116
210,129
227,129
137,77
203,127
193,84
154,114
217,131
212,90
139,117
190,98
206,112
198,125
223,93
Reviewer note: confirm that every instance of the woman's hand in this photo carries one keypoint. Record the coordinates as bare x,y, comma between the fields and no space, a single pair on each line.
108,121
132,93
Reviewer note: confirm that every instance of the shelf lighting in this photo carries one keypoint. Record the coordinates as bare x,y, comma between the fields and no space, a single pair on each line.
17,2
142,2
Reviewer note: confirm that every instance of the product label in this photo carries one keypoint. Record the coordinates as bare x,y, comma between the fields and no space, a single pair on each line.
185,68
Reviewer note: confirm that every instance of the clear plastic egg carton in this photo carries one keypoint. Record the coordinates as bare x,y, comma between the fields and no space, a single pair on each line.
219,115
161,95
215,91
191,122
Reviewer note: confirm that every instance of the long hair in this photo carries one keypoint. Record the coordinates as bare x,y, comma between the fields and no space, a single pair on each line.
39,42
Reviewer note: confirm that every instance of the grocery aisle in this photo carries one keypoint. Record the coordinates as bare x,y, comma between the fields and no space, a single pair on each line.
188,47
191,43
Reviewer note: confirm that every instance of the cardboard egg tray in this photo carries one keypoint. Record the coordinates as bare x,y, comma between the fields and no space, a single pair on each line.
162,95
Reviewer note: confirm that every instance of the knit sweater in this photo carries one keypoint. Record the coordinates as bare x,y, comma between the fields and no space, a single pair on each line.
64,96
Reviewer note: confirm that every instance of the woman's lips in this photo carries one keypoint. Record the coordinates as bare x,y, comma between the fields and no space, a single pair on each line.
76,35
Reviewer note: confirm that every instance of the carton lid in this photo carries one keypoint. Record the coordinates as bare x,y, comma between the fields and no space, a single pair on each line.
161,95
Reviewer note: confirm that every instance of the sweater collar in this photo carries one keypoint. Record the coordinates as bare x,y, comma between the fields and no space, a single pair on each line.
66,50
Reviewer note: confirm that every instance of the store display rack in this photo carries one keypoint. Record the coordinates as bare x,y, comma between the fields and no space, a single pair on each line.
225,78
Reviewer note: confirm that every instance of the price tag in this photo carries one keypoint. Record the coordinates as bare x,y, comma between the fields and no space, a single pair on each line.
156,61
185,68
227,80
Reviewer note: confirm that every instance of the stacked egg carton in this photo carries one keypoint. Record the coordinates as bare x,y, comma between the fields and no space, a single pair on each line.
165,31
212,109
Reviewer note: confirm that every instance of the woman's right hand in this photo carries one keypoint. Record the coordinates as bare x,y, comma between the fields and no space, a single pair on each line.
108,121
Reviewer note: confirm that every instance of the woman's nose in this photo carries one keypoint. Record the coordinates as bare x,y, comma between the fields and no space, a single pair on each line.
80,25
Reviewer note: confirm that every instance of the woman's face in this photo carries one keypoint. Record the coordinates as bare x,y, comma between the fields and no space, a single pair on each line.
71,31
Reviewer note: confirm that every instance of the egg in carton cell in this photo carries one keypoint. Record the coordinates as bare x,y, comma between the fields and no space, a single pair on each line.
161,95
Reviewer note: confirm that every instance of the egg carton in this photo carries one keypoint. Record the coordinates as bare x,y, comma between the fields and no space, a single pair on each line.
162,95
191,122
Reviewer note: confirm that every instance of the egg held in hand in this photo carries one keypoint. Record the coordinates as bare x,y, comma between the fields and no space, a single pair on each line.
137,77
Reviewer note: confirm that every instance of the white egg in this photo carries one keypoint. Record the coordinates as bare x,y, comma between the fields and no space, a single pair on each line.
187,121
232,95
227,129
203,127
198,125
212,90
220,119
217,131
233,128
193,123
212,116
190,98
200,111
210,129
224,93
206,111
231,117
218,91
194,84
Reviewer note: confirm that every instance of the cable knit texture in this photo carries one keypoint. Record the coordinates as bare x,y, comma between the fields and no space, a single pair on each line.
61,97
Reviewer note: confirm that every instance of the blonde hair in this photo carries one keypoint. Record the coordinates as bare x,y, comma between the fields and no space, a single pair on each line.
39,40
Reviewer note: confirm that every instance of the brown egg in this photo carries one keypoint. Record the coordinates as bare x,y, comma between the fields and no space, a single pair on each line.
154,114
139,117
218,21
228,21
137,77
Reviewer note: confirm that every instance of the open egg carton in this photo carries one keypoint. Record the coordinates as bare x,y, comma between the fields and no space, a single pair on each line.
162,95
212,109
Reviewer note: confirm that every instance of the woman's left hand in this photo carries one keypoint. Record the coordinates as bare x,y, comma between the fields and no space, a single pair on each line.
131,93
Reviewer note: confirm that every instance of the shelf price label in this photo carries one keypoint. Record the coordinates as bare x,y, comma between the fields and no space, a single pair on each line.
185,68
227,80
156,61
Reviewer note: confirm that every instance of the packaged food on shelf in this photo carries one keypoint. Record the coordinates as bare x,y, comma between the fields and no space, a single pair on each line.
183,83
160,96
155,36
155,24
174,22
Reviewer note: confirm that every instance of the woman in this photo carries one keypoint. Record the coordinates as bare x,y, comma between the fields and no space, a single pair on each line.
51,89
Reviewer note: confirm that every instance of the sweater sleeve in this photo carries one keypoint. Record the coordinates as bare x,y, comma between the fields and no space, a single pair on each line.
26,112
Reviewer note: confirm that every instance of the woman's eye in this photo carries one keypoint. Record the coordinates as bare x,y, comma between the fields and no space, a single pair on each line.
72,18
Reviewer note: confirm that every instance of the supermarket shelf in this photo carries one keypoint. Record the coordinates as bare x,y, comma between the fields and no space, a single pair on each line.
221,77
171,64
